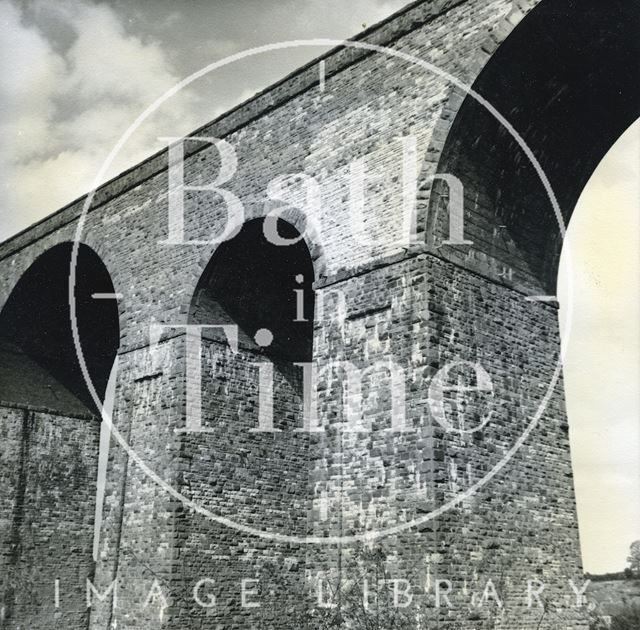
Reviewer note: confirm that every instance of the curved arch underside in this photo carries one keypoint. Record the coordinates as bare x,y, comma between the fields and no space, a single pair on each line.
254,284
41,363
50,441
568,79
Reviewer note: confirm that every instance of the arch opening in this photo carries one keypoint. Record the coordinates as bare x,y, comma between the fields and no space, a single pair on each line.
259,286
50,441
567,79
570,94
41,366
249,461
601,365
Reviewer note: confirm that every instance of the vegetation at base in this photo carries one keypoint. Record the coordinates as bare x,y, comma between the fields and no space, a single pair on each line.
626,619
627,574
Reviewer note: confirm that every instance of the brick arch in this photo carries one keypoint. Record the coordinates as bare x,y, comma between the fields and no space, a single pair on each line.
38,302
311,236
24,258
50,430
248,283
467,72
295,218
570,95
264,272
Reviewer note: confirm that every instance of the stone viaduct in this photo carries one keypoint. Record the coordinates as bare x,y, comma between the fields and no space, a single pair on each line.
440,453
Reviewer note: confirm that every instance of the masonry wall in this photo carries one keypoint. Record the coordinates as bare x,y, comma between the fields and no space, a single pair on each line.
48,467
519,522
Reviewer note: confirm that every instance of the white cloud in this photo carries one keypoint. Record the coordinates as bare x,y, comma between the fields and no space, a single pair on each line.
63,110
110,65
75,78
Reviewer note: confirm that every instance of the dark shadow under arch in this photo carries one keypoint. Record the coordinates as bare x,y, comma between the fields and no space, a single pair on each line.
41,367
50,434
256,474
568,79
255,284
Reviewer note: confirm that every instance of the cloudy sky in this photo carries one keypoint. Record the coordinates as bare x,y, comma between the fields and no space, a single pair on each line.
76,73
